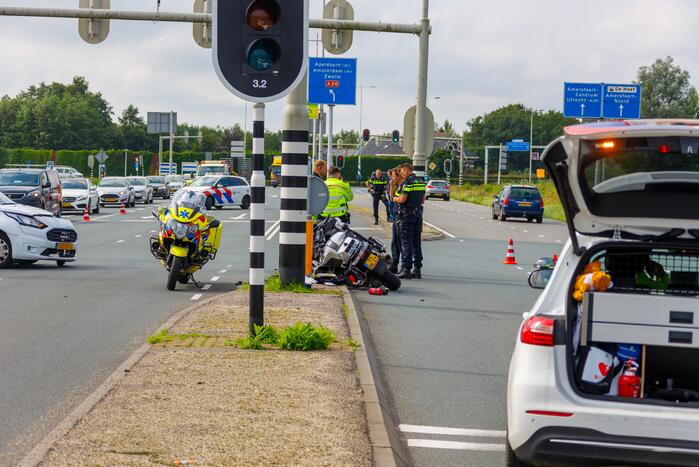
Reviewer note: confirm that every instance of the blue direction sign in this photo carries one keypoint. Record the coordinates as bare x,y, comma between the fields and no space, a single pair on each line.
582,100
622,101
517,145
332,81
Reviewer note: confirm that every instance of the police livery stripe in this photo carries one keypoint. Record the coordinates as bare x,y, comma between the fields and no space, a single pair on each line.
294,206
257,219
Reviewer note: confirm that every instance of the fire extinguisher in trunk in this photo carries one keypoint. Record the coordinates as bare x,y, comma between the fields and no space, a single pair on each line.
630,382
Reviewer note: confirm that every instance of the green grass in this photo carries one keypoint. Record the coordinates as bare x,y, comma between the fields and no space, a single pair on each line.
305,337
263,335
345,311
353,343
274,284
483,195
165,336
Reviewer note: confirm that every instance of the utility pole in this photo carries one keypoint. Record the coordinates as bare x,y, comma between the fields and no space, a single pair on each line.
420,155
461,159
331,114
531,143
294,191
172,141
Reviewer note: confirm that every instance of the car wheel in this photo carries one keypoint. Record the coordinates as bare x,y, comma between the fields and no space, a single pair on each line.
219,207
25,262
447,198
97,209
5,252
133,202
530,219
503,217
246,202
495,216
61,263
510,458
151,199
539,220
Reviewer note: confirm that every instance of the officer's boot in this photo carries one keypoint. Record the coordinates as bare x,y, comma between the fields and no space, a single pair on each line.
417,274
393,268
405,274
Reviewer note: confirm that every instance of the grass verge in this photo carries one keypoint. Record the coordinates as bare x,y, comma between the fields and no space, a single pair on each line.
302,337
274,284
165,336
483,195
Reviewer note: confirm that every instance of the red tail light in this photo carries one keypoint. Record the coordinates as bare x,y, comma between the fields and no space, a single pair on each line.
430,186
506,202
538,330
447,187
542,203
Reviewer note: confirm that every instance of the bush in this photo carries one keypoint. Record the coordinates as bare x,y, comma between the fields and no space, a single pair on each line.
263,335
305,337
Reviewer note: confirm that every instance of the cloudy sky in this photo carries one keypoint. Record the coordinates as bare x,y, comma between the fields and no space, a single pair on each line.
484,54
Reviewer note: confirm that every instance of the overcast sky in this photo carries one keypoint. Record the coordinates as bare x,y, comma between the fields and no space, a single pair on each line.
484,54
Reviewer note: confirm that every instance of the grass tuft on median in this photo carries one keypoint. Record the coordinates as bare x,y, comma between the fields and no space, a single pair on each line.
164,335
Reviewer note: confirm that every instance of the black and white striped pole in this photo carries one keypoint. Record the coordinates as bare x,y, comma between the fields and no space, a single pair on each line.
294,192
257,219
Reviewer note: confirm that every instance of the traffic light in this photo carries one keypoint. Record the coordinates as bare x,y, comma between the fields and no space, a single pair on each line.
260,47
395,136
366,135
340,162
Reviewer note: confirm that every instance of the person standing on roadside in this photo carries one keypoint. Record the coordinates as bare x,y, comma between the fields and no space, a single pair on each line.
394,184
320,169
378,187
340,196
410,198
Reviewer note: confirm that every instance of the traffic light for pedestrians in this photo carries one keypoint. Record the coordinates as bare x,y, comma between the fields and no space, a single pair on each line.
260,47
395,136
366,135
340,162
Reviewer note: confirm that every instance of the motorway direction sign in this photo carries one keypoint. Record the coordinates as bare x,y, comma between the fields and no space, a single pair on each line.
237,149
621,101
582,100
332,81
517,145
159,123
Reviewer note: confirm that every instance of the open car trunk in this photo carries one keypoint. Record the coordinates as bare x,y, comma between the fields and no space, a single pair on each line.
649,316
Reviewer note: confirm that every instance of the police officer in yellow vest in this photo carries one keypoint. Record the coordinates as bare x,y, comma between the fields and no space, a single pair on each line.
340,195
378,187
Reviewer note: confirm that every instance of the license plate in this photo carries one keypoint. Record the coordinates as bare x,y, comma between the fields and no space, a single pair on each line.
67,205
66,247
111,199
525,205
371,261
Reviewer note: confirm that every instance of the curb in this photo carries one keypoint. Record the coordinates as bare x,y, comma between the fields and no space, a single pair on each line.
39,452
378,435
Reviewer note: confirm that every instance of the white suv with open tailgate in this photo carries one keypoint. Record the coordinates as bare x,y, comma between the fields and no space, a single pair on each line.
611,377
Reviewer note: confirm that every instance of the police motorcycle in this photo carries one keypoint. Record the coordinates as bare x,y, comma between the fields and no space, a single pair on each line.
342,256
187,238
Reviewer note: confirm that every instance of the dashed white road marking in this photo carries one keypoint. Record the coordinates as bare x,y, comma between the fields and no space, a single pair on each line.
223,271
541,236
274,226
442,430
461,240
196,297
153,231
206,286
520,268
215,278
228,266
438,444
242,216
437,228
120,241
558,241
146,217
138,236
525,231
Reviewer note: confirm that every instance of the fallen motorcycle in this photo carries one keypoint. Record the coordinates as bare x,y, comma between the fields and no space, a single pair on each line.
343,256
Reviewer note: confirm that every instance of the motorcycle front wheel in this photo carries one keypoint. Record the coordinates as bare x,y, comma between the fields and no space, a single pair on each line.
174,273
390,280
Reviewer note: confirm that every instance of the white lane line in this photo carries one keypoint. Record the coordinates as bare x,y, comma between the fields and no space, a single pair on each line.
223,271
443,430
525,231
461,240
146,217
520,268
140,209
206,286
239,217
366,228
228,266
274,226
275,232
437,228
153,231
541,236
215,279
196,297
481,218
437,444
138,236
558,241
274,196
120,241
135,220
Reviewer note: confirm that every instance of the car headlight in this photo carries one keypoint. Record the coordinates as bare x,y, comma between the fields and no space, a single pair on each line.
122,193
34,194
29,221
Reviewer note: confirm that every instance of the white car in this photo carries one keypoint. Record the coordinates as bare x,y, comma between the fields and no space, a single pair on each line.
611,377
174,182
68,172
29,234
116,191
222,191
142,189
78,194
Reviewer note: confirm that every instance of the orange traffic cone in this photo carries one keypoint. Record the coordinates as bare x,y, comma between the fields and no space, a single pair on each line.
510,258
86,215
122,211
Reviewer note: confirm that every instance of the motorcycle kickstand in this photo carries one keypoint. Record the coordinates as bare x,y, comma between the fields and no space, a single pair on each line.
196,283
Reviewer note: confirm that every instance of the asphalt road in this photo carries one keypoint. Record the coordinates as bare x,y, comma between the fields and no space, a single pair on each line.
443,343
64,330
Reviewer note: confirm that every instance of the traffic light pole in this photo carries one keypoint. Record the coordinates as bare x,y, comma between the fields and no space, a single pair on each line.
257,220
420,156
294,191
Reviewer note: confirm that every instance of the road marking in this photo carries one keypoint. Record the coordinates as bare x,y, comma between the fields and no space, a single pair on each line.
272,227
146,217
442,430
120,241
239,217
438,444
366,228
272,231
541,236
135,220
520,268
153,231
223,271
275,232
196,297
461,240
481,218
206,286
558,241
228,266
525,231
140,209
215,279
138,236
437,228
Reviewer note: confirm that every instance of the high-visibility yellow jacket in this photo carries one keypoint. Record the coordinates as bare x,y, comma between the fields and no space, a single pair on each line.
340,195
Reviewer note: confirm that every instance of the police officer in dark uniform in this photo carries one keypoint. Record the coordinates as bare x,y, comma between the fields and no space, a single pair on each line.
378,187
410,197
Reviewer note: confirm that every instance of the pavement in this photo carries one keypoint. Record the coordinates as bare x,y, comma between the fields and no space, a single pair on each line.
64,330
442,345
